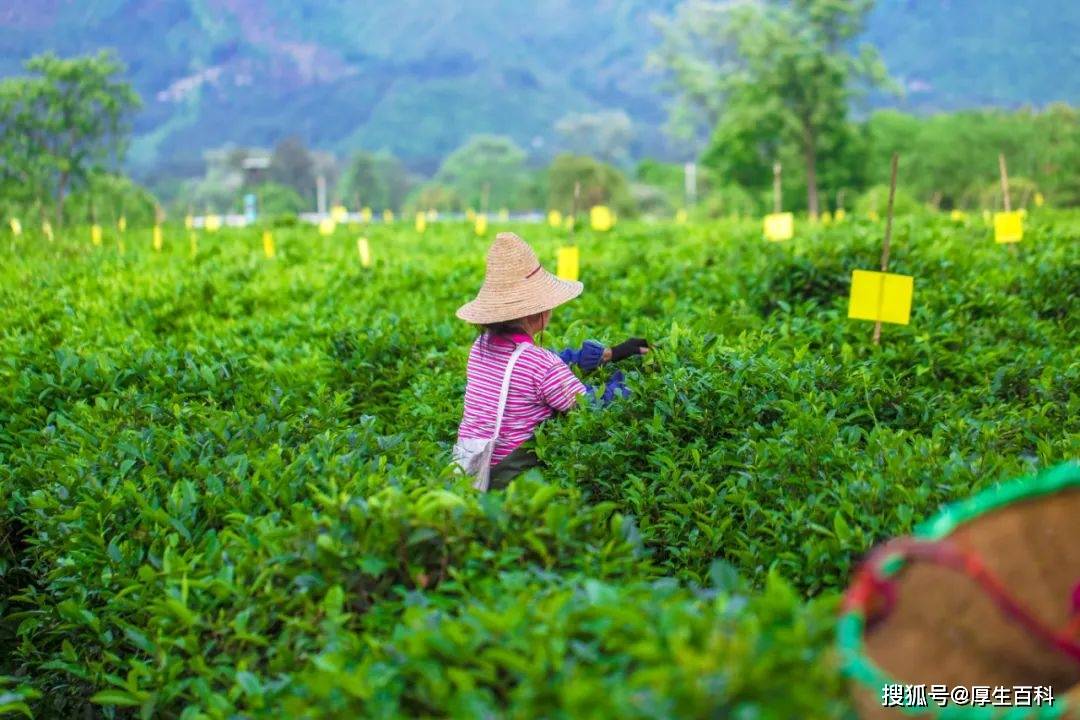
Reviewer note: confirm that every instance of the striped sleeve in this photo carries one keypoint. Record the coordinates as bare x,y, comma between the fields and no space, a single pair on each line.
558,387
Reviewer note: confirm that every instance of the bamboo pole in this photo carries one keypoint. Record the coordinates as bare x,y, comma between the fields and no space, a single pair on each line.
885,245
1004,182
777,199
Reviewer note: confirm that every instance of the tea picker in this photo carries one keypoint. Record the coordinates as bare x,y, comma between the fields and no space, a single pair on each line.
513,384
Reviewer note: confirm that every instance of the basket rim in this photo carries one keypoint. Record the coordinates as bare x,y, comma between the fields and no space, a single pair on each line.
857,665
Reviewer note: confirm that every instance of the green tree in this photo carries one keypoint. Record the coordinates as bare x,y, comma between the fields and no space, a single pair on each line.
487,167
65,122
377,181
292,166
275,199
767,77
601,184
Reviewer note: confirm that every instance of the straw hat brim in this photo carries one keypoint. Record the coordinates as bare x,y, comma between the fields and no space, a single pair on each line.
541,292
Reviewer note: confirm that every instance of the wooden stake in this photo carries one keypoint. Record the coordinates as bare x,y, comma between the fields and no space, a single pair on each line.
1004,182
885,244
840,200
574,207
777,200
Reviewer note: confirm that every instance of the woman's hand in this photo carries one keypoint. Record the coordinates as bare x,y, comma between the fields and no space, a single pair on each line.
628,348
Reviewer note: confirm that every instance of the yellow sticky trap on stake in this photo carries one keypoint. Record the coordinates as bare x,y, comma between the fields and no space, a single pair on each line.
189,222
365,215
957,216
873,215
826,218
159,239
680,216
364,251
121,224
601,218
470,215
213,223
327,226
554,218
569,222
16,227
880,297
504,215
1008,227
1039,199
568,261
481,224
779,226
95,234
421,222
46,228
268,244
339,213
840,215
388,215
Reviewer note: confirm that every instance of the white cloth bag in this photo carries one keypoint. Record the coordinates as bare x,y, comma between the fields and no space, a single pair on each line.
473,456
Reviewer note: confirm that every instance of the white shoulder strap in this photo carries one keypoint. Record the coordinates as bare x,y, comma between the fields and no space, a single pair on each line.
506,387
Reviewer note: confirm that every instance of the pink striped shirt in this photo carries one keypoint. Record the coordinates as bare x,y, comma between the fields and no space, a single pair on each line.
541,385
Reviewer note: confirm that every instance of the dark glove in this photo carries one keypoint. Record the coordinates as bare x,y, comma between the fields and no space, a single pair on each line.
628,348
588,358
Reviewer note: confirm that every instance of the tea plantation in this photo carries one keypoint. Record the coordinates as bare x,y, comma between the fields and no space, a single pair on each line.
225,487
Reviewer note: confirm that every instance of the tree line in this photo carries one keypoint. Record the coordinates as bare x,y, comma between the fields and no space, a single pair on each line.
753,84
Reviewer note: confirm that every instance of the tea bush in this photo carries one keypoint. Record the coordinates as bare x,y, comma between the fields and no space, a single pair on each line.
225,492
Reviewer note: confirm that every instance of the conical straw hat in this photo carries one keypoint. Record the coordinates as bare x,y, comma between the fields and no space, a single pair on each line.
515,285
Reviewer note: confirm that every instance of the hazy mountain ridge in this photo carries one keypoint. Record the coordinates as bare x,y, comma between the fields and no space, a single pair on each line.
418,76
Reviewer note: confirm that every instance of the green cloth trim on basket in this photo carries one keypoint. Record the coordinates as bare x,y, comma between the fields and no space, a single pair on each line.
857,665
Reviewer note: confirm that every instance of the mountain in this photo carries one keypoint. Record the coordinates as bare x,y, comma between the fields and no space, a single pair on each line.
417,77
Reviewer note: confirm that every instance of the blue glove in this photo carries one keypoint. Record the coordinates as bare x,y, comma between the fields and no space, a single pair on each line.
588,358
614,389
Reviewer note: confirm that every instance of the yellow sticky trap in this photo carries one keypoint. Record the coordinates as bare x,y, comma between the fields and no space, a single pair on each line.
121,224
554,218
339,213
16,227
873,215
569,222
840,215
159,239
470,215
327,226
504,215
1008,227
189,222
880,297
46,228
779,226
957,216
268,244
95,234
826,218
432,214
680,216
388,215
421,222
365,215
601,218
568,260
193,242
987,217
481,224
213,223
364,251
1039,199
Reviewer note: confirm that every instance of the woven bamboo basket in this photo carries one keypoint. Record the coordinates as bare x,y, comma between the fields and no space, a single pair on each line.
984,594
